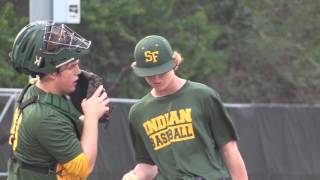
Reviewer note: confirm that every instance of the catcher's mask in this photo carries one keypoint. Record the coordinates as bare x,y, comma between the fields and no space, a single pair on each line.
153,56
43,46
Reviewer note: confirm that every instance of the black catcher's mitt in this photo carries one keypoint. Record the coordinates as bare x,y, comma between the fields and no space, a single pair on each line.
87,84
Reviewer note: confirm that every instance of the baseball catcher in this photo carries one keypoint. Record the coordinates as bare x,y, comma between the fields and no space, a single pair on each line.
48,139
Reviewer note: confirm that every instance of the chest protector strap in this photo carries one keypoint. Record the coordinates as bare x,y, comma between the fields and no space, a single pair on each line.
60,104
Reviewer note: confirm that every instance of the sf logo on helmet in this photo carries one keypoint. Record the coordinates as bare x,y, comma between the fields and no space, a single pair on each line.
151,56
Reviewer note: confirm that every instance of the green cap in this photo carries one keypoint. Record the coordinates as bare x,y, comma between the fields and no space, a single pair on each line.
153,56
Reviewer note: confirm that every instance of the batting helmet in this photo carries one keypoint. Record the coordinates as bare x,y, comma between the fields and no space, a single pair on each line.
153,56
43,46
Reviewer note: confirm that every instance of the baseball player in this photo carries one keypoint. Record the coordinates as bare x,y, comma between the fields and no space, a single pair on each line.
48,139
180,129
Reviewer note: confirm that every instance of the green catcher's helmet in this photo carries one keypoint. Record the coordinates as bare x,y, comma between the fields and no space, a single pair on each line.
43,46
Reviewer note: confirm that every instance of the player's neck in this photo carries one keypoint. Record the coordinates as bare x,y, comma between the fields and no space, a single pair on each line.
175,85
48,87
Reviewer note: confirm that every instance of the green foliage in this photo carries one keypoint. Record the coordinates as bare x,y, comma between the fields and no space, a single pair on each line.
9,27
115,26
277,58
250,51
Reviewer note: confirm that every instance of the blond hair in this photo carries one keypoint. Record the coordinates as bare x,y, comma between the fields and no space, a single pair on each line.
177,58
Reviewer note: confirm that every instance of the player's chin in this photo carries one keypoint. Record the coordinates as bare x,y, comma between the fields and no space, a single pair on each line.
156,85
159,86
71,89
74,85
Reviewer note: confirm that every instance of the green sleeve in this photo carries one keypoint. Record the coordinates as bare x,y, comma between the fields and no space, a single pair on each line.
141,153
220,123
57,135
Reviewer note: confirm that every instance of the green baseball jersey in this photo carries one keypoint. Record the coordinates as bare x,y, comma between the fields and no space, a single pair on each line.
181,133
44,136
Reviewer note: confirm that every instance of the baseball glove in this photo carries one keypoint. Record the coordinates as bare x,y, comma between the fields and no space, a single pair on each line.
87,84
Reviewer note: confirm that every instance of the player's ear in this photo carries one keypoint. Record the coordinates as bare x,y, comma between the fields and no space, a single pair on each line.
52,76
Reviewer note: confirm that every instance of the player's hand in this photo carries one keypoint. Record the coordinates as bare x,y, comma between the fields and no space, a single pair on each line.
130,176
97,105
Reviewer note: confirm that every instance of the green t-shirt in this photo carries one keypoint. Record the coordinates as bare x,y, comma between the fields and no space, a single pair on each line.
45,136
181,133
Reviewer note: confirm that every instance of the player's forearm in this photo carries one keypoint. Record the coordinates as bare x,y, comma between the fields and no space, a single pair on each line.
89,140
234,161
238,171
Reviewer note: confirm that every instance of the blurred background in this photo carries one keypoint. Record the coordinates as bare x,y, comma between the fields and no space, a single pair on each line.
262,56
265,51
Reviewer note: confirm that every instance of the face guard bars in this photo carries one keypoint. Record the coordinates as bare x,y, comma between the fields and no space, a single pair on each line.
59,36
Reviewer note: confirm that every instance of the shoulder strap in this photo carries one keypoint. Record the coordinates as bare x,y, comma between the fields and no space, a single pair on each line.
21,104
27,102
61,104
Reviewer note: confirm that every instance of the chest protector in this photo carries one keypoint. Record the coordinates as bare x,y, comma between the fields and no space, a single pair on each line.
60,104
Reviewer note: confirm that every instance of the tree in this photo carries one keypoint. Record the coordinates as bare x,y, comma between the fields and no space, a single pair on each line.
10,25
276,59
116,25
266,51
